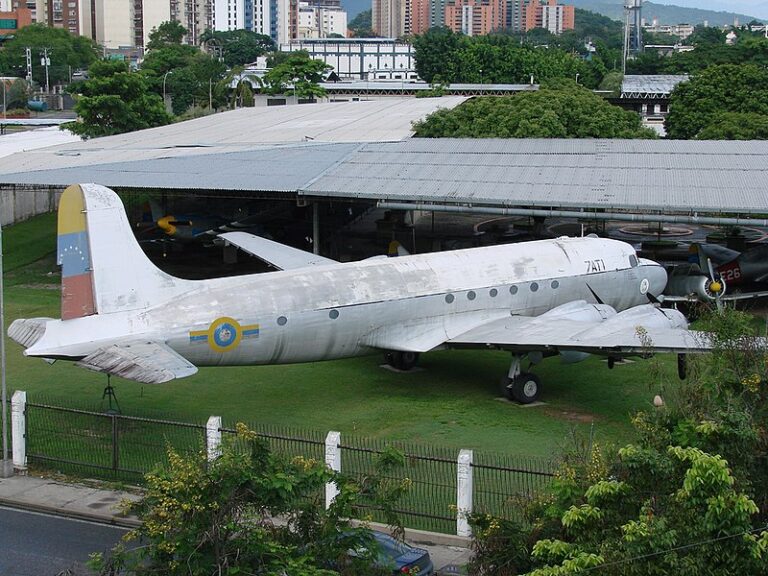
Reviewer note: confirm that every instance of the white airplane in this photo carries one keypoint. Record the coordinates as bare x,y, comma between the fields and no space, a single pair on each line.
123,316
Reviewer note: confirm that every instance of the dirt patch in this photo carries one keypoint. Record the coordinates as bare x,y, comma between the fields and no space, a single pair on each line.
571,415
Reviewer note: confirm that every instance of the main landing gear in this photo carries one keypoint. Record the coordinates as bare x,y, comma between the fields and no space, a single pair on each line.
404,361
523,387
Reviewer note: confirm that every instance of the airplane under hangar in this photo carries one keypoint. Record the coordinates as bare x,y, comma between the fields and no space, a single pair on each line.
700,182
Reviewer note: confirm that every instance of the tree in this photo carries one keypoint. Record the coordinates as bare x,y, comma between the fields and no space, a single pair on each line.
563,110
361,25
115,100
166,34
713,93
298,74
688,496
66,52
250,511
239,47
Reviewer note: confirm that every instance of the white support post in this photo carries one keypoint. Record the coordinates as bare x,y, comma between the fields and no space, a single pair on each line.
464,493
213,437
19,429
333,461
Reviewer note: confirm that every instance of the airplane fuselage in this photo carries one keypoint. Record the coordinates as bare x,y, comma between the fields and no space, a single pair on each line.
349,309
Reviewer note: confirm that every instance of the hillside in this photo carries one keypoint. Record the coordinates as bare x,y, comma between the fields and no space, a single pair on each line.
665,14
354,7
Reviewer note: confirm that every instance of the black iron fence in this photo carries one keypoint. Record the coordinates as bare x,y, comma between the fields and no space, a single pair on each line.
124,448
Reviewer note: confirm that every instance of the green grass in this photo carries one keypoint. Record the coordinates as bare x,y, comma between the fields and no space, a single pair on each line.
453,401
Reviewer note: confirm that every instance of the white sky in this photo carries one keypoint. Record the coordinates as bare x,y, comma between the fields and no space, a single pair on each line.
758,8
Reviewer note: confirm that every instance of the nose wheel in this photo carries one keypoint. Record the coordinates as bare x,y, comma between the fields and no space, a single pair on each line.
401,360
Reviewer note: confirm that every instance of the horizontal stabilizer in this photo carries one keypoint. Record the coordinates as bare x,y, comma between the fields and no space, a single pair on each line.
142,361
27,331
278,255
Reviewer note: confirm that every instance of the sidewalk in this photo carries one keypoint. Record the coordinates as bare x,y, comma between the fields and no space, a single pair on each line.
449,553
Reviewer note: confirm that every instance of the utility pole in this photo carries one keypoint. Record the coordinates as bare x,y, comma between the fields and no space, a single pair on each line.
46,61
28,52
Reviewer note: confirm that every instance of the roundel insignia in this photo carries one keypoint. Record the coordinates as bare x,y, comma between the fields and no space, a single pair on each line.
224,334
644,285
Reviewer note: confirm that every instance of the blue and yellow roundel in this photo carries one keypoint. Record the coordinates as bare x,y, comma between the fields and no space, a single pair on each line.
224,334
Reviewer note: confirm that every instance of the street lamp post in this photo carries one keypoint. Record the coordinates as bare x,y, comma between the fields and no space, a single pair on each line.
165,76
5,105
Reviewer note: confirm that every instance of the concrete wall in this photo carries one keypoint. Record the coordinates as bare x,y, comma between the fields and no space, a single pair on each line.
19,203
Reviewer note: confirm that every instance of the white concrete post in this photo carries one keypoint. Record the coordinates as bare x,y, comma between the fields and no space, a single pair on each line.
213,437
333,461
19,429
464,493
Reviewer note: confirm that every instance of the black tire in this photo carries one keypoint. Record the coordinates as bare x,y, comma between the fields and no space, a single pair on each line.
682,366
526,388
402,360
506,388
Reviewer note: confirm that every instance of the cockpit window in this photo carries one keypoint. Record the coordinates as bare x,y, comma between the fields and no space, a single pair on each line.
633,261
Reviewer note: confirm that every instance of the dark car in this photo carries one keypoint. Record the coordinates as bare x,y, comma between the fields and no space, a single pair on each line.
401,557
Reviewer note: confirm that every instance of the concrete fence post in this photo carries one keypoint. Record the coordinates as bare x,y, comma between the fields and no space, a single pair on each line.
333,461
213,437
464,493
19,429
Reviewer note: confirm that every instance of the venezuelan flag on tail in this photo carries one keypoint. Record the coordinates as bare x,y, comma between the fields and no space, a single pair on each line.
74,256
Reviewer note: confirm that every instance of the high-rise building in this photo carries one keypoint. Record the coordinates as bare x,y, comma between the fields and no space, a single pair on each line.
321,21
388,17
59,14
475,17
229,14
195,15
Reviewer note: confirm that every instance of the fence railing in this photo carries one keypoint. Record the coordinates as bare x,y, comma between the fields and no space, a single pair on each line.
446,484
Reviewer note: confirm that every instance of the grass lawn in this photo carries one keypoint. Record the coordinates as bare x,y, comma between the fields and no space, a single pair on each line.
453,401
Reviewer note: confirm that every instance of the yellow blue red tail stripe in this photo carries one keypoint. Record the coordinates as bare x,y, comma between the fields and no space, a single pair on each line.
74,256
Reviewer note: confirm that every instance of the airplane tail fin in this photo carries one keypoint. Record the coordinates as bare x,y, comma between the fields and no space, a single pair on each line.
103,269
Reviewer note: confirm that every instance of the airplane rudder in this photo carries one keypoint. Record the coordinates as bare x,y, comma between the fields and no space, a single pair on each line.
74,256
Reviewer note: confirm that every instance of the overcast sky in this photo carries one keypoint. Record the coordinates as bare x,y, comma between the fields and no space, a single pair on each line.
757,8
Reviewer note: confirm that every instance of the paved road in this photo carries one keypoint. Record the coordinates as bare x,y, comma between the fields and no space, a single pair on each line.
33,544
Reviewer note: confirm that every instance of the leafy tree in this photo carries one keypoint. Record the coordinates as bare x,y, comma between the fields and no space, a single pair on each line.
564,110
710,94
687,497
66,52
251,511
298,74
115,100
706,35
17,94
361,25
166,34
437,54
735,126
239,47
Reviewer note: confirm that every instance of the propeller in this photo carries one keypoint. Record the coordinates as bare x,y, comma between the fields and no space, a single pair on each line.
715,287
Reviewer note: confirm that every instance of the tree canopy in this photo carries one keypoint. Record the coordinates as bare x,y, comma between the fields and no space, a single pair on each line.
361,26
114,100
239,47
299,74
166,34
446,56
66,52
716,101
563,110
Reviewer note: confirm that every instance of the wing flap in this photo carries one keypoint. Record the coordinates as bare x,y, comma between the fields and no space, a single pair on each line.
141,361
27,331
278,255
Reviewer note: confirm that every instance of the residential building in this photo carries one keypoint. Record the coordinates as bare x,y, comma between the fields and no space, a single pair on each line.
321,21
14,20
229,15
388,17
418,17
680,30
59,14
195,15
475,17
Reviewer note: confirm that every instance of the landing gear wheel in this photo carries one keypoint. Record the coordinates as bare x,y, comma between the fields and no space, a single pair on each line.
402,360
524,388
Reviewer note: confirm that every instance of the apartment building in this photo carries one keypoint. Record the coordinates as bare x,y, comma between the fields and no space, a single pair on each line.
475,17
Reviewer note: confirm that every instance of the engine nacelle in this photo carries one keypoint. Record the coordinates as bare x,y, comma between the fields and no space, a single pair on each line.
646,316
696,284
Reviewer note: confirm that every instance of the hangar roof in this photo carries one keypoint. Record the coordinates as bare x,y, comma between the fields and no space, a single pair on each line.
207,155
651,83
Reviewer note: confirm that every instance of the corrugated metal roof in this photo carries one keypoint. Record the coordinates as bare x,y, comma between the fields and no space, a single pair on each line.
652,83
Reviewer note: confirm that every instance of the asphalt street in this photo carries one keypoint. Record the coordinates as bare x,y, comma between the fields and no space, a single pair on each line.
34,544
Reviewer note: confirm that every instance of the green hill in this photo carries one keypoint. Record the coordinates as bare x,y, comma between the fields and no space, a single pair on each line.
665,14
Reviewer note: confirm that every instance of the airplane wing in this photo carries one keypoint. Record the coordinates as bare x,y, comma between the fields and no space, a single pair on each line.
719,254
640,330
142,361
27,331
278,255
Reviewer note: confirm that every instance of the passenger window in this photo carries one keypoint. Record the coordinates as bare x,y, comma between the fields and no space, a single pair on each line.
633,261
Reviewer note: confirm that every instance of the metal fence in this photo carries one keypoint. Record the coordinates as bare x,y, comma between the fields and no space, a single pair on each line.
124,448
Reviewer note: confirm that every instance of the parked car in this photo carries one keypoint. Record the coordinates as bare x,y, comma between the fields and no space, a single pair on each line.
401,557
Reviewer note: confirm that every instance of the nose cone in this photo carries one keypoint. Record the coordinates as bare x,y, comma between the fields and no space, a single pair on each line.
655,274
